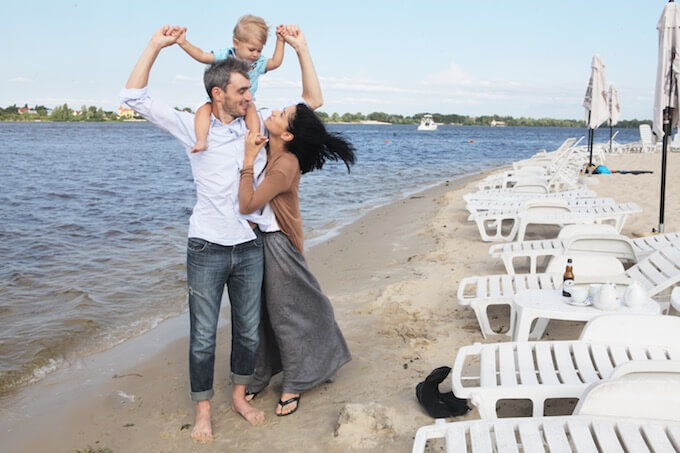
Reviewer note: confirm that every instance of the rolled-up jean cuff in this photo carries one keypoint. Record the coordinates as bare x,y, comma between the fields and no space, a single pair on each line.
241,379
202,396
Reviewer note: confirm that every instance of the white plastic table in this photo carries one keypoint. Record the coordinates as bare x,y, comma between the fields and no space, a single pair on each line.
549,304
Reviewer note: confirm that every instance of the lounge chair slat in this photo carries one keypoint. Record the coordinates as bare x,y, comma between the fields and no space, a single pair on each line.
651,272
674,434
663,262
487,368
546,366
506,364
520,283
606,436
601,359
555,436
581,437
494,287
507,287
657,353
618,354
657,438
637,352
455,438
505,438
632,437
584,363
481,287
531,437
480,438
526,365
564,363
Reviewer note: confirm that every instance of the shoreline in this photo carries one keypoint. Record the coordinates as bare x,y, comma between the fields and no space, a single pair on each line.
391,277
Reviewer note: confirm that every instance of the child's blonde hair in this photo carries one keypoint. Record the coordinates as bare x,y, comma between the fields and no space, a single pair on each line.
251,26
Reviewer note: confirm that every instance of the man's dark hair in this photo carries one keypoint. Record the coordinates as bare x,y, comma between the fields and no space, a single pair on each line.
219,73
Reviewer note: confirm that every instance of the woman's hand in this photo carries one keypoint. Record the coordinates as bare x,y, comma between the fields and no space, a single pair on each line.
254,143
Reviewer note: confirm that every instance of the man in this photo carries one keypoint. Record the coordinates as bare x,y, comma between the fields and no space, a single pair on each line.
224,247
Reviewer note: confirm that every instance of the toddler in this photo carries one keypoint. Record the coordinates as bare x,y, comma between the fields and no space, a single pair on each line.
250,36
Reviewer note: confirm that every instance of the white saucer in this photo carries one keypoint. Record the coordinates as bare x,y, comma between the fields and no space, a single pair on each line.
585,303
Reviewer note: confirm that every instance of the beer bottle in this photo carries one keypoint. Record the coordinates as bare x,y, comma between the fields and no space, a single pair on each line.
568,279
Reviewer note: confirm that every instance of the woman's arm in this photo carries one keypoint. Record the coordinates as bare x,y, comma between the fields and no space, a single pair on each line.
274,183
311,89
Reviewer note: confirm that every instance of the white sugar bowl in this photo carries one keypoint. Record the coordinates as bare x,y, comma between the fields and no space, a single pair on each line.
635,295
607,299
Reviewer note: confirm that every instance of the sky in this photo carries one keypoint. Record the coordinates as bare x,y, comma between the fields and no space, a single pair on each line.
518,58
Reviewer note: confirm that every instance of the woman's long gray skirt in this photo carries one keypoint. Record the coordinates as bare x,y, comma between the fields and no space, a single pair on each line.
298,332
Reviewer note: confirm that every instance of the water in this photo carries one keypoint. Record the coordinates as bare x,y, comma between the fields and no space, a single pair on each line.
93,221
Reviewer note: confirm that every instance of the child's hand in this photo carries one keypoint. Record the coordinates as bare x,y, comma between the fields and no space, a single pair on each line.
294,36
182,37
254,143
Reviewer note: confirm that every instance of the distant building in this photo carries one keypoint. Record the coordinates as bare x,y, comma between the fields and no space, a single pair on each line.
495,123
124,112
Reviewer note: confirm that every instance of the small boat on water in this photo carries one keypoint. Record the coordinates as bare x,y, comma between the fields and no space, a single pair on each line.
427,123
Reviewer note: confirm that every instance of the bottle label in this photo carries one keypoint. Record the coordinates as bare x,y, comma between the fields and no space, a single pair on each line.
567,285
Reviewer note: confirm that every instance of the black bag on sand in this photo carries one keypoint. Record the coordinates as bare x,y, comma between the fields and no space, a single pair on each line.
437,404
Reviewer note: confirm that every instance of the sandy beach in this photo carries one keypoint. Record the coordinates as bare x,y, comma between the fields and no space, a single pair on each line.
392,278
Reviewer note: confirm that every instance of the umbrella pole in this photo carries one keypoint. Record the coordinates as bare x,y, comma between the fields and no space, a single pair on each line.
611,130
667,129
590,146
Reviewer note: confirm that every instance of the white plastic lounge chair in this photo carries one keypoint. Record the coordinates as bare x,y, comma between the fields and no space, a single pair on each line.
515,221
657,272
563,177
625,413
546,158
543,370
525,191
603,237
504,205
675,299
646,143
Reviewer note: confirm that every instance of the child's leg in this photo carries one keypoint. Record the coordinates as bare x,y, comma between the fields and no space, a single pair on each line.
202,125
252,119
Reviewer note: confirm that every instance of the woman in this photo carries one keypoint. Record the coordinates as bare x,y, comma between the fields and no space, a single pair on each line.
298,333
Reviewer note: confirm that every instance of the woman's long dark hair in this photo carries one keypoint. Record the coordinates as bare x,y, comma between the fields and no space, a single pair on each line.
313,145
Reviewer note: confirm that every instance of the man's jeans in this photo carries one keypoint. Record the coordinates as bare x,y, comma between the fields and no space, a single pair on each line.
209,267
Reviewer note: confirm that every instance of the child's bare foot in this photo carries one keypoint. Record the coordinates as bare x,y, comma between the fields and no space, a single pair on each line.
202,431
242,407
288,404
200,145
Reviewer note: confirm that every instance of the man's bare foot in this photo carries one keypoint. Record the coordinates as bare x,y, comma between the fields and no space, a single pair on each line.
202,431
200,145
241,406
288,404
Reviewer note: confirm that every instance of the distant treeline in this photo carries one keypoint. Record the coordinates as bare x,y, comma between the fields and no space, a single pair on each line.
59,113
92,113
464,120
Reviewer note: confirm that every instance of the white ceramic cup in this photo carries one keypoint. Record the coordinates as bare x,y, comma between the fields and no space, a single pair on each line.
579,295
594,291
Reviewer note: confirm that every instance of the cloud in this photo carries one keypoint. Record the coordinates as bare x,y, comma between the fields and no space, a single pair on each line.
20,80
449,76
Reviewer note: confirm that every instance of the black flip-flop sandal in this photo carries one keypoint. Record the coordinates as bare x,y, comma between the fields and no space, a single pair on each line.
295,399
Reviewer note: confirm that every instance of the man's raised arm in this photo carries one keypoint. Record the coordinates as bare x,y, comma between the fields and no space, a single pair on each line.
163,37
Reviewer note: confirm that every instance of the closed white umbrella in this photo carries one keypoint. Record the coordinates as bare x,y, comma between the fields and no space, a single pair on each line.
665,115
614,112
614,107
595,102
